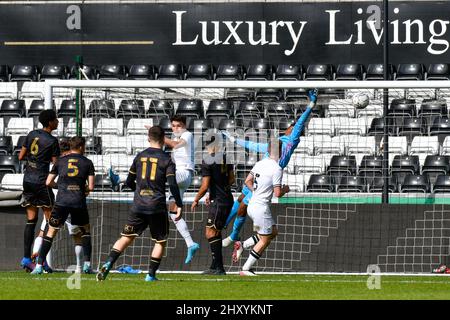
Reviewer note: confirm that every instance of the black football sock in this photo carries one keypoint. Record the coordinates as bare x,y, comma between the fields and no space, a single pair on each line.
216,251
154,265
28,237
45,248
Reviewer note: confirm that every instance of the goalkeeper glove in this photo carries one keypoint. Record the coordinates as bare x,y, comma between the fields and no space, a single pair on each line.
312,95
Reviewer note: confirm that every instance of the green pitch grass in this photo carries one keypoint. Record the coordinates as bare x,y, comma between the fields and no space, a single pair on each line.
20,285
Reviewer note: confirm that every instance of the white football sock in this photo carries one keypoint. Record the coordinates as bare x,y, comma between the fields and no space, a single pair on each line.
226,242
37,245
252,258
250,242
79,254
183,229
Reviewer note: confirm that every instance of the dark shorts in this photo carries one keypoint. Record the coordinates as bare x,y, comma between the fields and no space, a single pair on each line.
78,216
217,215
37,195
138,222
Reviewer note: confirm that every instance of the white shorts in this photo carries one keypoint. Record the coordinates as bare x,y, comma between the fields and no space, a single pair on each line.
184,180
73,229
262,218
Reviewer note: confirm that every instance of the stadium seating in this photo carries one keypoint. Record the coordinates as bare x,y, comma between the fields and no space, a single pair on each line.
131,109
53,72
13,108
403,165
103,183
4,73
349,72
88,71
341,166
259,72
415,183
112,72
410,71
190,108
141,72
24,73
440,126
269,94
160,108
200,125
200,72
19,126
68,108
351,184
37,106
12,181
137,126
102,108
19,144
442,184
6,145
435,166
93,145
109,126
220,108
170,72
376,72
229,72
319,72
9,163
320,183
438,71
376,183
289,72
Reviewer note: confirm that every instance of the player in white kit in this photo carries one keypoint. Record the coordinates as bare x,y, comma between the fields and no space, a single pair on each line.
182,145
264,181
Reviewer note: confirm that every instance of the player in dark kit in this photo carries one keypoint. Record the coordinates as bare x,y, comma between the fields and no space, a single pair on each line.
217,177
39,150
73,171
150,171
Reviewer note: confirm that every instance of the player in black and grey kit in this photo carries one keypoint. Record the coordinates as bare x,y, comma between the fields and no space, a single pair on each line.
217,177
73,171
147,177
39,150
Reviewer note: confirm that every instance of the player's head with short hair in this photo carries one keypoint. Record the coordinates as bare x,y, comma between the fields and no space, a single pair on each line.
77,144
48,119
156,135
178,123
64,146
275,148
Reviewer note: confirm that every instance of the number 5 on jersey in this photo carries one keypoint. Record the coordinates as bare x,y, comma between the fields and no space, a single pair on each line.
73,167
154,162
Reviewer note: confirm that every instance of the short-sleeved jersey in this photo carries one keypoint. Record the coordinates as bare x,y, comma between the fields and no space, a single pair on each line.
184,156
267,174
73,171
219,187
41,147
151,167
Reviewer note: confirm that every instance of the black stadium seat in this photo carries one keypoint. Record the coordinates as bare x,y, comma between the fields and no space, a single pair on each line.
410,71
351,184
296,94
112,72
141,72
160,108
341,166
190,108
403,165
50,71
438,71
24,73
4,73
89,71
284,123
220,108
6,145
350,71
402,108
435,166
280,110
268,94
131,109
166,125
261,124
68,108
289,72
413,127
320,183
440,126
229,72
9,164
37,106
376,184
200,124
250,109
102,108
376,72
93,145
13,108
19,144
319,72
259,72
103,183
415,183
200,72
171,72
442,184
430,109
229,124
371,166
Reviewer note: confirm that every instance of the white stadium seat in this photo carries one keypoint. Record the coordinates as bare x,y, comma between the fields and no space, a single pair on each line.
352,125
19,126
101,163
87,127
341,108
8,90
365,145
35,90
137,126
109,126
12,181
115,144
397,145
320,126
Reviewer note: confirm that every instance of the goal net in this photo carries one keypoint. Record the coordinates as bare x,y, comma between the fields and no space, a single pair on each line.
333,219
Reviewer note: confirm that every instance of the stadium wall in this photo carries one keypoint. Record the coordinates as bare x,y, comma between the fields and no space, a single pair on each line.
54,32
312,238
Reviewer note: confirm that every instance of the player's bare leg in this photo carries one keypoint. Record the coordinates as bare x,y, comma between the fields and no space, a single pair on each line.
258,250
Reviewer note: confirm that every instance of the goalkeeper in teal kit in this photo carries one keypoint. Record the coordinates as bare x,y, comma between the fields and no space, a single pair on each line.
290,141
